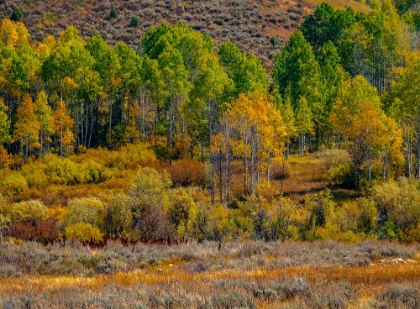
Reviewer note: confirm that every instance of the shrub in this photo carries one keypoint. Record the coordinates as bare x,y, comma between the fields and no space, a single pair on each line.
279,169
132,156
398,296
341,174
88,210
95,172
398,202
34,174
181,207
232,300
334,157
83,232
12,183
321,207
134,21
66,171
149,193
120,216
44,231
4,158
63,171
26,211
187,172
274,41
288,288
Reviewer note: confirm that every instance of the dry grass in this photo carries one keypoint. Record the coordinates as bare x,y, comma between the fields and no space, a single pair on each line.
306,176
246,274
374,278
343,4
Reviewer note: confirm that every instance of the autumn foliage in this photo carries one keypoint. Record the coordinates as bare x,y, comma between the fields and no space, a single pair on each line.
181,139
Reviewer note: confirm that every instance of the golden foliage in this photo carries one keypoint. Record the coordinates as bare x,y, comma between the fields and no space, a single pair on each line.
83,232
13,33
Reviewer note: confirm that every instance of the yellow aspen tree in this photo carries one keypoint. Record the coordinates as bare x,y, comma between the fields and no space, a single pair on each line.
222,151
405,108
366,132
62,125
131,132
391,147
241,147
44,116
27,126
5,136
4,124
258,135
278,139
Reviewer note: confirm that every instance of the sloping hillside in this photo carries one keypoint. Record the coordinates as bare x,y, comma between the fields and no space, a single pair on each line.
251,24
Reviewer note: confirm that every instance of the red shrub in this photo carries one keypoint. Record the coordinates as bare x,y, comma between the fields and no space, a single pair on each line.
45,231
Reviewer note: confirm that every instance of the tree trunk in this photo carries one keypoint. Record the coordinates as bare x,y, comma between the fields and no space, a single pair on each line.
110,126
370,165
409,156
211,178
418,142
384,164
226,199
220,166
61,141
252,162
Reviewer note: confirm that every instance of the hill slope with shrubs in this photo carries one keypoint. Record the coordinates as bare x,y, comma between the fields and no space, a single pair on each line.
261,27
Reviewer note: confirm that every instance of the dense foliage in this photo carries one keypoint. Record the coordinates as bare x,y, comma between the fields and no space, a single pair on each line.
180,121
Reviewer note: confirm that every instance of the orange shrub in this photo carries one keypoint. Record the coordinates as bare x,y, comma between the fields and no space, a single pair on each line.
4,158
187,172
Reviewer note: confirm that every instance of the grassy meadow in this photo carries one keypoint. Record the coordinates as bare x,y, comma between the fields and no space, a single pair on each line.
248,274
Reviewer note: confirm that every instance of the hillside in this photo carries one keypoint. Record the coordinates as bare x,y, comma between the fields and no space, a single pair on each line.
251,24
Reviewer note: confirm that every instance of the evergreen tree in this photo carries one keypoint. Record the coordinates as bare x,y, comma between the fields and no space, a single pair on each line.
113,13
16,14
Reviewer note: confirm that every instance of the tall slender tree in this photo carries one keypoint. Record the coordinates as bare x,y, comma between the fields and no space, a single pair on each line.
63,125
27,126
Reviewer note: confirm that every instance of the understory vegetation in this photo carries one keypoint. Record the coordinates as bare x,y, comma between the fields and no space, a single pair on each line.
94,199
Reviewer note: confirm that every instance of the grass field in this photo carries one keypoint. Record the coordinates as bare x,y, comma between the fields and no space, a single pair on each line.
239,275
